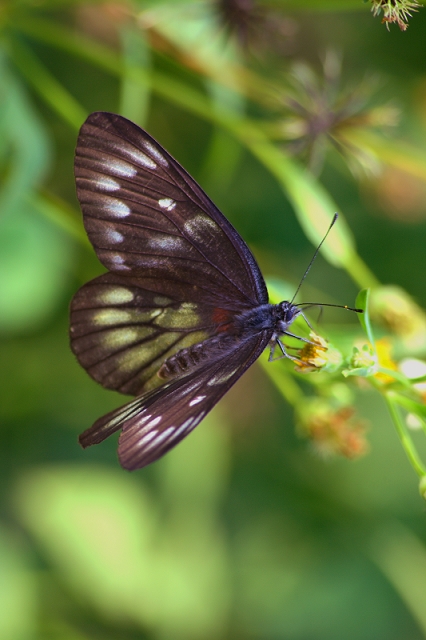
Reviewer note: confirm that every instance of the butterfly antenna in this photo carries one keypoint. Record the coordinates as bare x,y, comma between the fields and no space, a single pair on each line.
314,256
308,305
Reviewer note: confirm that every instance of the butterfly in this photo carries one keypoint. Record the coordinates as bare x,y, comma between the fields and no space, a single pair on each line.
183,310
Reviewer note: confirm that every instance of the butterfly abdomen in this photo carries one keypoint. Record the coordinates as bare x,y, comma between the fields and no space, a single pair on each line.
183,361
198,355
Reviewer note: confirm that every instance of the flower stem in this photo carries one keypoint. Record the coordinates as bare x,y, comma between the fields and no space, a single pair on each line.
404,436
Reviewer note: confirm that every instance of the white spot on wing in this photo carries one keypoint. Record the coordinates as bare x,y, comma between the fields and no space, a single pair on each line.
190,387
119,167
137,156
161,438
167,203
116,208
128,411
199,225
198,418
166,242
147,437
196,400
221,378
113,236
154,422
155,152
117,263
183,427
107,184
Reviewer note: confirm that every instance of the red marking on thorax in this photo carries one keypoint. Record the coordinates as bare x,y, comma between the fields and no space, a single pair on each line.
222,318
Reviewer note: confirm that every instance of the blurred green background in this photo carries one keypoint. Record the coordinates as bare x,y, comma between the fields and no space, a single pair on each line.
243,531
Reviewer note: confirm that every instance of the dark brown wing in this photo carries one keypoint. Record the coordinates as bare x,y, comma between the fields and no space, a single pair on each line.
122,333
147,217
154,423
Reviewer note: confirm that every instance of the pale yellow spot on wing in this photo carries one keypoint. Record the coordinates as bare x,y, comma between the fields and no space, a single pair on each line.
120,338
161,301
106,317
111,316
183,317
136,357
116,295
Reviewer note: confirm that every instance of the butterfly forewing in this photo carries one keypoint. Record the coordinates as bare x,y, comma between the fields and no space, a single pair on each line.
145,215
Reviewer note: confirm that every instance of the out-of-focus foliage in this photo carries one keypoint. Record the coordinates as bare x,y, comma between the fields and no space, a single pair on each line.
292,511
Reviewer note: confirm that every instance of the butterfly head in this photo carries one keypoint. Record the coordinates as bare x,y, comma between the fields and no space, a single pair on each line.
287,312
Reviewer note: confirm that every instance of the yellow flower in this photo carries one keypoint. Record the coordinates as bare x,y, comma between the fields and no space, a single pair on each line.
384,349
313,354
317,354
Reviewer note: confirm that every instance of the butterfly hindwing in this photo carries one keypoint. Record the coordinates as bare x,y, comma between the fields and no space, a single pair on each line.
155,422
122,334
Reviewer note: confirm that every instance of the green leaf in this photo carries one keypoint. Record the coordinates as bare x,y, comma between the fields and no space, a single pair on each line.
24,145
135,96
362,372
364,318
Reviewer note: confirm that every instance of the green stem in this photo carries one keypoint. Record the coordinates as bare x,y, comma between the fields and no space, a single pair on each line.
312,204
417,380
52,92
360,273
404,436
284,382
397,376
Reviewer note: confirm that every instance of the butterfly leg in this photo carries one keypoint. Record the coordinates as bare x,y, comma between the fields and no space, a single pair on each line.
307,321
284,348
284,352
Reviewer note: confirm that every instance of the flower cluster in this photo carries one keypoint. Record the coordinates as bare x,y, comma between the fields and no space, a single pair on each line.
255,25
332,431
393,308
397,11
323,113
317,354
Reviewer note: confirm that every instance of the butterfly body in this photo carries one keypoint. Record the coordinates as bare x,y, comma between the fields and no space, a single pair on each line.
183,310
273,319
